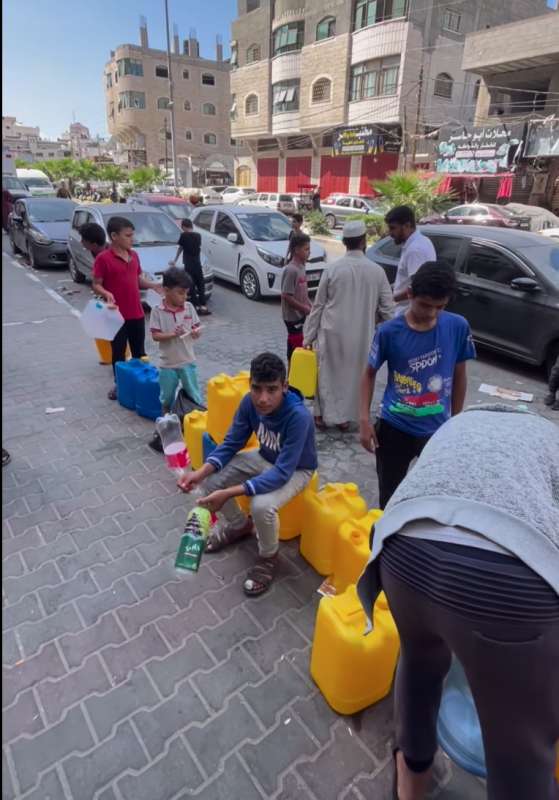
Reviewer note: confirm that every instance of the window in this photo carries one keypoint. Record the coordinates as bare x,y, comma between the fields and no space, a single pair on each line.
262,198
208,109
109,80
322,91
162,103
251,104
492,265
165,133
369,12
129,66
253,53
252,5
477,84
288,37
161,71
374,78
185,74
443,85
188,136
131,100
451,20
204,219
208,79
325,28
234,60
458,211
343,201
187,106
224,225
210,138
285,96
447,248
390,248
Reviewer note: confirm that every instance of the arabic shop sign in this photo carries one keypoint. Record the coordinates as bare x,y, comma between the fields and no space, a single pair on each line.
480,151
365,140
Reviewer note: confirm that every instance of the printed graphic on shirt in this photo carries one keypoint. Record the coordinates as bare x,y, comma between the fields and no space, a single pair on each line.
268,438
414,397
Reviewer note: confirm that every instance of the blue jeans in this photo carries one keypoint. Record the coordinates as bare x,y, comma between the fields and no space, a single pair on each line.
169,379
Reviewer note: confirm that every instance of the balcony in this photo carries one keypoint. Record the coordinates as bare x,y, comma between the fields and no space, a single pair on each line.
521,45
383,39
286,66
286,122
374,110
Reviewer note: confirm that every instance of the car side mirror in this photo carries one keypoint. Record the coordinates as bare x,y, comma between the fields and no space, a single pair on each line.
233,238
525,285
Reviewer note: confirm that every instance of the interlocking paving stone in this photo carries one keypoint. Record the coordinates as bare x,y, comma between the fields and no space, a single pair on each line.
15,679
19,525
35,556
161,723
26,610
33,634
186,589
293,788
165,777
221,734
317,716
168,671
106,574
53,597
12,566
270,647
21,717
48,788
232,782
215,686
145,582
78,646
10,648
16,588
160,545
177,628
221,638
109,708
8,792
71,524
120,659
96,553
157,605
140,535
82,501
276,692
57,696
91,608
31,538
89,534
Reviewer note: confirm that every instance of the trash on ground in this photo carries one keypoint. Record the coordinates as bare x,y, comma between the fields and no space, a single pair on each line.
505,394
50,410
326,589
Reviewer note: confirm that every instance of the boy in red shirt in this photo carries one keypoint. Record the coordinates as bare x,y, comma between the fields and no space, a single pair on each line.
117,277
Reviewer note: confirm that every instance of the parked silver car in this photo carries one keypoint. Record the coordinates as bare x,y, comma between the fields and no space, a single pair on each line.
38,228
155,238
276,201
338,207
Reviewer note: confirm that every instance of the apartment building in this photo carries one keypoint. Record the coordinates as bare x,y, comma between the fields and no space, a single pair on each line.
25,142
138,111
339,92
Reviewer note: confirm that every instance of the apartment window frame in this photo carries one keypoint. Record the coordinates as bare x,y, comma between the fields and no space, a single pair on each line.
330,23
187,105
186,74
131,100
163,107
130,66
109,82
252,104
209,75
371,79
371,12
162,69
286,96
253,53
451,20
207,138
288,37
444,84
252,5
209,109
317,96
188,135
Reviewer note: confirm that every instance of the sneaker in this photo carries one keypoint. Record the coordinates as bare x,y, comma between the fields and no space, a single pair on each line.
155,443
549,399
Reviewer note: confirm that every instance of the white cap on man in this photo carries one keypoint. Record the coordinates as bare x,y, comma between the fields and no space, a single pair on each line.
354,228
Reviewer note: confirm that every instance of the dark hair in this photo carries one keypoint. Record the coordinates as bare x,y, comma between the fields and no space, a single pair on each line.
298,218
267,368
434,279
118,224
177,276
186,223
354,242
297,240
93,233
400,215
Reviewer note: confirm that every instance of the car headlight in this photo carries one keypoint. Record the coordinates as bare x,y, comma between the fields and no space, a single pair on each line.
270,258
39,237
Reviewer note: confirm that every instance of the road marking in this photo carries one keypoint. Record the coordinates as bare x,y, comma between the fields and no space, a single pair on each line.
54,294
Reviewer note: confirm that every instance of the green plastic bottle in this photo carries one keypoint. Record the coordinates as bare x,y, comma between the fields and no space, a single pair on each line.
193,541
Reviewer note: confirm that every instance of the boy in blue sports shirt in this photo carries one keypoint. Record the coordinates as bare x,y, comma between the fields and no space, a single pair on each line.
271,476
426,350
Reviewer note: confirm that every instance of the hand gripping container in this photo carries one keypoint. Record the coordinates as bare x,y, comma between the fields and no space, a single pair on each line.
127,373
351,670
101,322
147,392
303,371
351,549
194,427
324,513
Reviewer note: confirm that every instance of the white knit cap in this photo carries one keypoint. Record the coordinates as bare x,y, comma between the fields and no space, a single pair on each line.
354,228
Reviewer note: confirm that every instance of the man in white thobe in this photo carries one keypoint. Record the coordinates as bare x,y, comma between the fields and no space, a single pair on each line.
352,296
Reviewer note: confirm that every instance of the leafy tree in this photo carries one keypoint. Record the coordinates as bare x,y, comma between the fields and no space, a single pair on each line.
316,223
112,173
414,189
145,177
21,163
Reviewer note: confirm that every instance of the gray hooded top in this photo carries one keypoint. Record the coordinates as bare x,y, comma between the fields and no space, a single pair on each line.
494,470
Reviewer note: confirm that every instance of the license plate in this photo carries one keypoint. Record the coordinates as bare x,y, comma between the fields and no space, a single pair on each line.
313,276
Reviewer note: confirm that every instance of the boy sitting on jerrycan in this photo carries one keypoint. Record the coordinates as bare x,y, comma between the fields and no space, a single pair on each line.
270,476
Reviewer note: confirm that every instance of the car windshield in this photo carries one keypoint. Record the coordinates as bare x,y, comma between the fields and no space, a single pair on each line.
545,258
13,183
43,183
265,227
51,210
175,210
504,211
151,228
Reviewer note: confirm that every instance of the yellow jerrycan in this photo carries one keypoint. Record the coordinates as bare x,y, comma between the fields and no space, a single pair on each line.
194,427
303,371
351,549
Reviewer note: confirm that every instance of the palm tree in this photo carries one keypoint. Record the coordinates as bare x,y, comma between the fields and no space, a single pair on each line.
145,177
415,189
112,173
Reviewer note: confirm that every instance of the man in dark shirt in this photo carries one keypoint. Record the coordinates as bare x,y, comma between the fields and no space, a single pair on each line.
189,245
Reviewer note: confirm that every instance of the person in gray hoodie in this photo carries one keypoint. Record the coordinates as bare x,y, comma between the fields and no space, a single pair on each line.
468,554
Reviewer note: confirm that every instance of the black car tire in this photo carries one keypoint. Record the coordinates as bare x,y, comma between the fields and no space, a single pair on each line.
76,275
551,358
250,285
330,221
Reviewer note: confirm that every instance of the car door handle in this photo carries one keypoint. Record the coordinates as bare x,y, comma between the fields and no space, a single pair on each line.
464,292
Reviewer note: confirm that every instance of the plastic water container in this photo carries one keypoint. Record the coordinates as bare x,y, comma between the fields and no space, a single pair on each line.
224,395
351,549
292,514
176,455
147,392
352,670
194,427
101,322
127,373
458,728
303,371
105,351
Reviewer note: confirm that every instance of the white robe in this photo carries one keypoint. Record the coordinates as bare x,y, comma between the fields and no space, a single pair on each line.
353,292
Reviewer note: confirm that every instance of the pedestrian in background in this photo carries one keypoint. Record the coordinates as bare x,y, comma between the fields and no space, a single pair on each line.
426,350
295,302
117,278
63,192
551,398
416,250
93,238
352,292
467,552
296,225
190,245
316,200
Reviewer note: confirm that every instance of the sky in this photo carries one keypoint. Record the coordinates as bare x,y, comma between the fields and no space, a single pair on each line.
54,52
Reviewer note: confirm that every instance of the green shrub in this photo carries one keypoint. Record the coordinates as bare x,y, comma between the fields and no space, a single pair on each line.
374,223
316,224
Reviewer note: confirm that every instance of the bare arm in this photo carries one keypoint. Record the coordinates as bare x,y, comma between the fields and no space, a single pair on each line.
143,283
367,433
459,386
176,258
296,304
159,336
399,296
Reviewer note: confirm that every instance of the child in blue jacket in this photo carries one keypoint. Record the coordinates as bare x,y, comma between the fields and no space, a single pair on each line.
271,476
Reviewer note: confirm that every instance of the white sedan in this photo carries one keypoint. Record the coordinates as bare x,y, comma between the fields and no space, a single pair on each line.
235,193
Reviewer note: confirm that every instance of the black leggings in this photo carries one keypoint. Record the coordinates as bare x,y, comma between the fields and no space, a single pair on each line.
395,453
194,269
133,333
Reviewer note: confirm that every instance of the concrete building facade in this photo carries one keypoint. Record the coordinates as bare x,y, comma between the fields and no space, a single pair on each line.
137,105
25,142
304,69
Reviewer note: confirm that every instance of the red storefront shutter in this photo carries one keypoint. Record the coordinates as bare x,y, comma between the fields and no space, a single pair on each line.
267,178
297,173
376,168
334,175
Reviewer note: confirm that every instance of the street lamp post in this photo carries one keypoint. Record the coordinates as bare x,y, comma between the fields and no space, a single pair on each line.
166,156
171,100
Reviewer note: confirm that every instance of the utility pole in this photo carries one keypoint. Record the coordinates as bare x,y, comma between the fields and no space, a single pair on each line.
171,100
417,117
165,134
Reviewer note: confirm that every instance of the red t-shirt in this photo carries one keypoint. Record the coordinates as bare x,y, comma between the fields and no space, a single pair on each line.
120,277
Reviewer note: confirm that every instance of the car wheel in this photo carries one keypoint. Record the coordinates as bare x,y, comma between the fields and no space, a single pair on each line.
77,276
330,221
250,285
551,358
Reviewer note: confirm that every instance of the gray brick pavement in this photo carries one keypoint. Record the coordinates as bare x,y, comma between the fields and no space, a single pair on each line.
123,680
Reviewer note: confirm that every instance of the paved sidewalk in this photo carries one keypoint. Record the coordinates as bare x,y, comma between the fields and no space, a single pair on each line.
121,680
